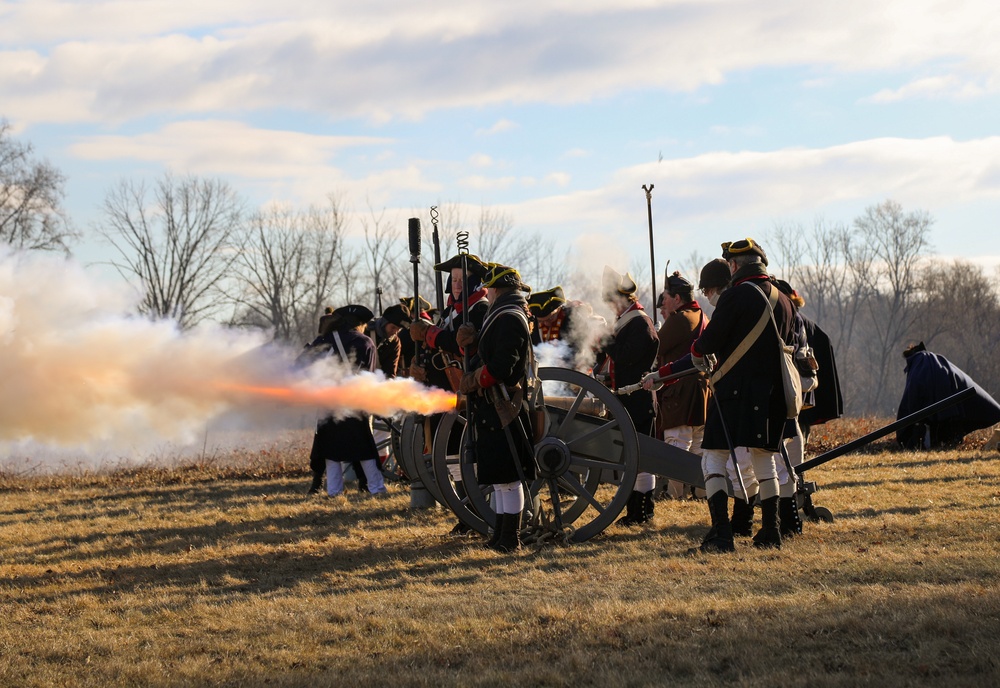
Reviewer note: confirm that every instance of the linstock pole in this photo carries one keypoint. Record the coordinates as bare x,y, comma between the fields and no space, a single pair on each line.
652,258
436,239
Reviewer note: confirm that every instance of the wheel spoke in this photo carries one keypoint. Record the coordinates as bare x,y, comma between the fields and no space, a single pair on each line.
571,414
580,491
587,436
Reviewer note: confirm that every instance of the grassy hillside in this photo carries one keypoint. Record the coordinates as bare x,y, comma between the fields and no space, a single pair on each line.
225,573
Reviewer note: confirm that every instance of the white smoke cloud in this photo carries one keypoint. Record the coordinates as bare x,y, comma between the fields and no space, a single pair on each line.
79,373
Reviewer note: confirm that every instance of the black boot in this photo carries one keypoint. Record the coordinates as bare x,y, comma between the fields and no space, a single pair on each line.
720,537
742,519
317,484
647,506
788,515
510,533
633,510
460,528
768,536
495,535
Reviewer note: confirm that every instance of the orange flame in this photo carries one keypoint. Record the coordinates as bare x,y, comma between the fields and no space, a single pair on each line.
362,393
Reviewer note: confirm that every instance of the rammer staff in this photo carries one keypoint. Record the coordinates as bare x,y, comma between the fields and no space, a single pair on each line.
652,259
436,239
414,236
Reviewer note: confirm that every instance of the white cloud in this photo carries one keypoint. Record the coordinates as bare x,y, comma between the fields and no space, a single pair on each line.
225,147
742,193
480,160
937,87
384,60
499,127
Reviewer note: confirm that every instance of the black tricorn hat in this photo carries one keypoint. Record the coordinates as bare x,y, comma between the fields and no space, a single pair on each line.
743,247
476,266
715,275
501,276
545,303
407,302
915,349
398,315
678,284
352,315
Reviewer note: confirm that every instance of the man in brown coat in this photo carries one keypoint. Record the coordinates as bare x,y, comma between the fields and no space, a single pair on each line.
680,420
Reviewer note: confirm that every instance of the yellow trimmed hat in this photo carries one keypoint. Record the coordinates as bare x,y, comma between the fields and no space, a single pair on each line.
545,303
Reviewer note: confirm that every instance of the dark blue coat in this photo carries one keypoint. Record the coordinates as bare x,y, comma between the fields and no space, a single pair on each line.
346,439
750,394
931,377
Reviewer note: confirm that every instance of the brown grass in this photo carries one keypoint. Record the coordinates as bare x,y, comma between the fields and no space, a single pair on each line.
225,573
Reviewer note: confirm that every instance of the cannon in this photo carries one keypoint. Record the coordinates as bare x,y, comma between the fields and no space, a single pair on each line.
587,460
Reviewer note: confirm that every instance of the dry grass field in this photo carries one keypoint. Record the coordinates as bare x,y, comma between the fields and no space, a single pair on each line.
225,573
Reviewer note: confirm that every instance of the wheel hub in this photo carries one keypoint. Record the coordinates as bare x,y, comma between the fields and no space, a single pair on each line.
552,456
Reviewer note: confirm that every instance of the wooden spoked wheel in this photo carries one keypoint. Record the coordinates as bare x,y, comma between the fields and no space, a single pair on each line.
586,460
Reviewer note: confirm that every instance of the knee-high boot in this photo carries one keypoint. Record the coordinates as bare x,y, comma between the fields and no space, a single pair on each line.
768,536
788,516
317,483
460,528
720,537
647,506
633,510
510,533
742,519
495,535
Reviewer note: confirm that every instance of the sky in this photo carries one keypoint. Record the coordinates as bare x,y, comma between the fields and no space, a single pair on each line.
743,115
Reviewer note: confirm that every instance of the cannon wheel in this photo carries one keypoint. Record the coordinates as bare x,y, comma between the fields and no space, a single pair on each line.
586,463
416,464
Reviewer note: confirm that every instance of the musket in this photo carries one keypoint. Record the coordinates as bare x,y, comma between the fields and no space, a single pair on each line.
657,380
729,442
652,259
439,288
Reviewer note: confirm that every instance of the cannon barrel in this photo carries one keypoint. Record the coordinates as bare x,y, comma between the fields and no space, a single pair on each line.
882,432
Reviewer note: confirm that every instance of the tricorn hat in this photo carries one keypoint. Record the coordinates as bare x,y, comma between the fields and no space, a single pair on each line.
476,266
545,303
352,315
743,247
398,315
500,276
407,302
616,285
715,275
914,349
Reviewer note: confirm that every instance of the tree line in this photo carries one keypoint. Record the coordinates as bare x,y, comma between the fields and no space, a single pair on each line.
196,251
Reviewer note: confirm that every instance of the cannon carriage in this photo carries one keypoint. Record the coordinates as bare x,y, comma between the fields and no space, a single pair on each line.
587,456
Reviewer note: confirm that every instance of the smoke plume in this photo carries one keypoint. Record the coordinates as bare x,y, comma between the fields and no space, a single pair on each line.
77,371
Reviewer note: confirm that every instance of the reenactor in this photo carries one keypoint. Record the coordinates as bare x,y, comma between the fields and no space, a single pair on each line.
439,356
496,388
627,355
681,406
349,439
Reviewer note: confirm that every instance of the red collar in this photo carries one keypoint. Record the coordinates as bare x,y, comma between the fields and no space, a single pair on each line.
634,307
762,278
689,306
474,298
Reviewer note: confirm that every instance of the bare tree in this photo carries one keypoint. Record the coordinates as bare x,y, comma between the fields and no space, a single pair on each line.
31,194
287,269
384,253
178,245
491,235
